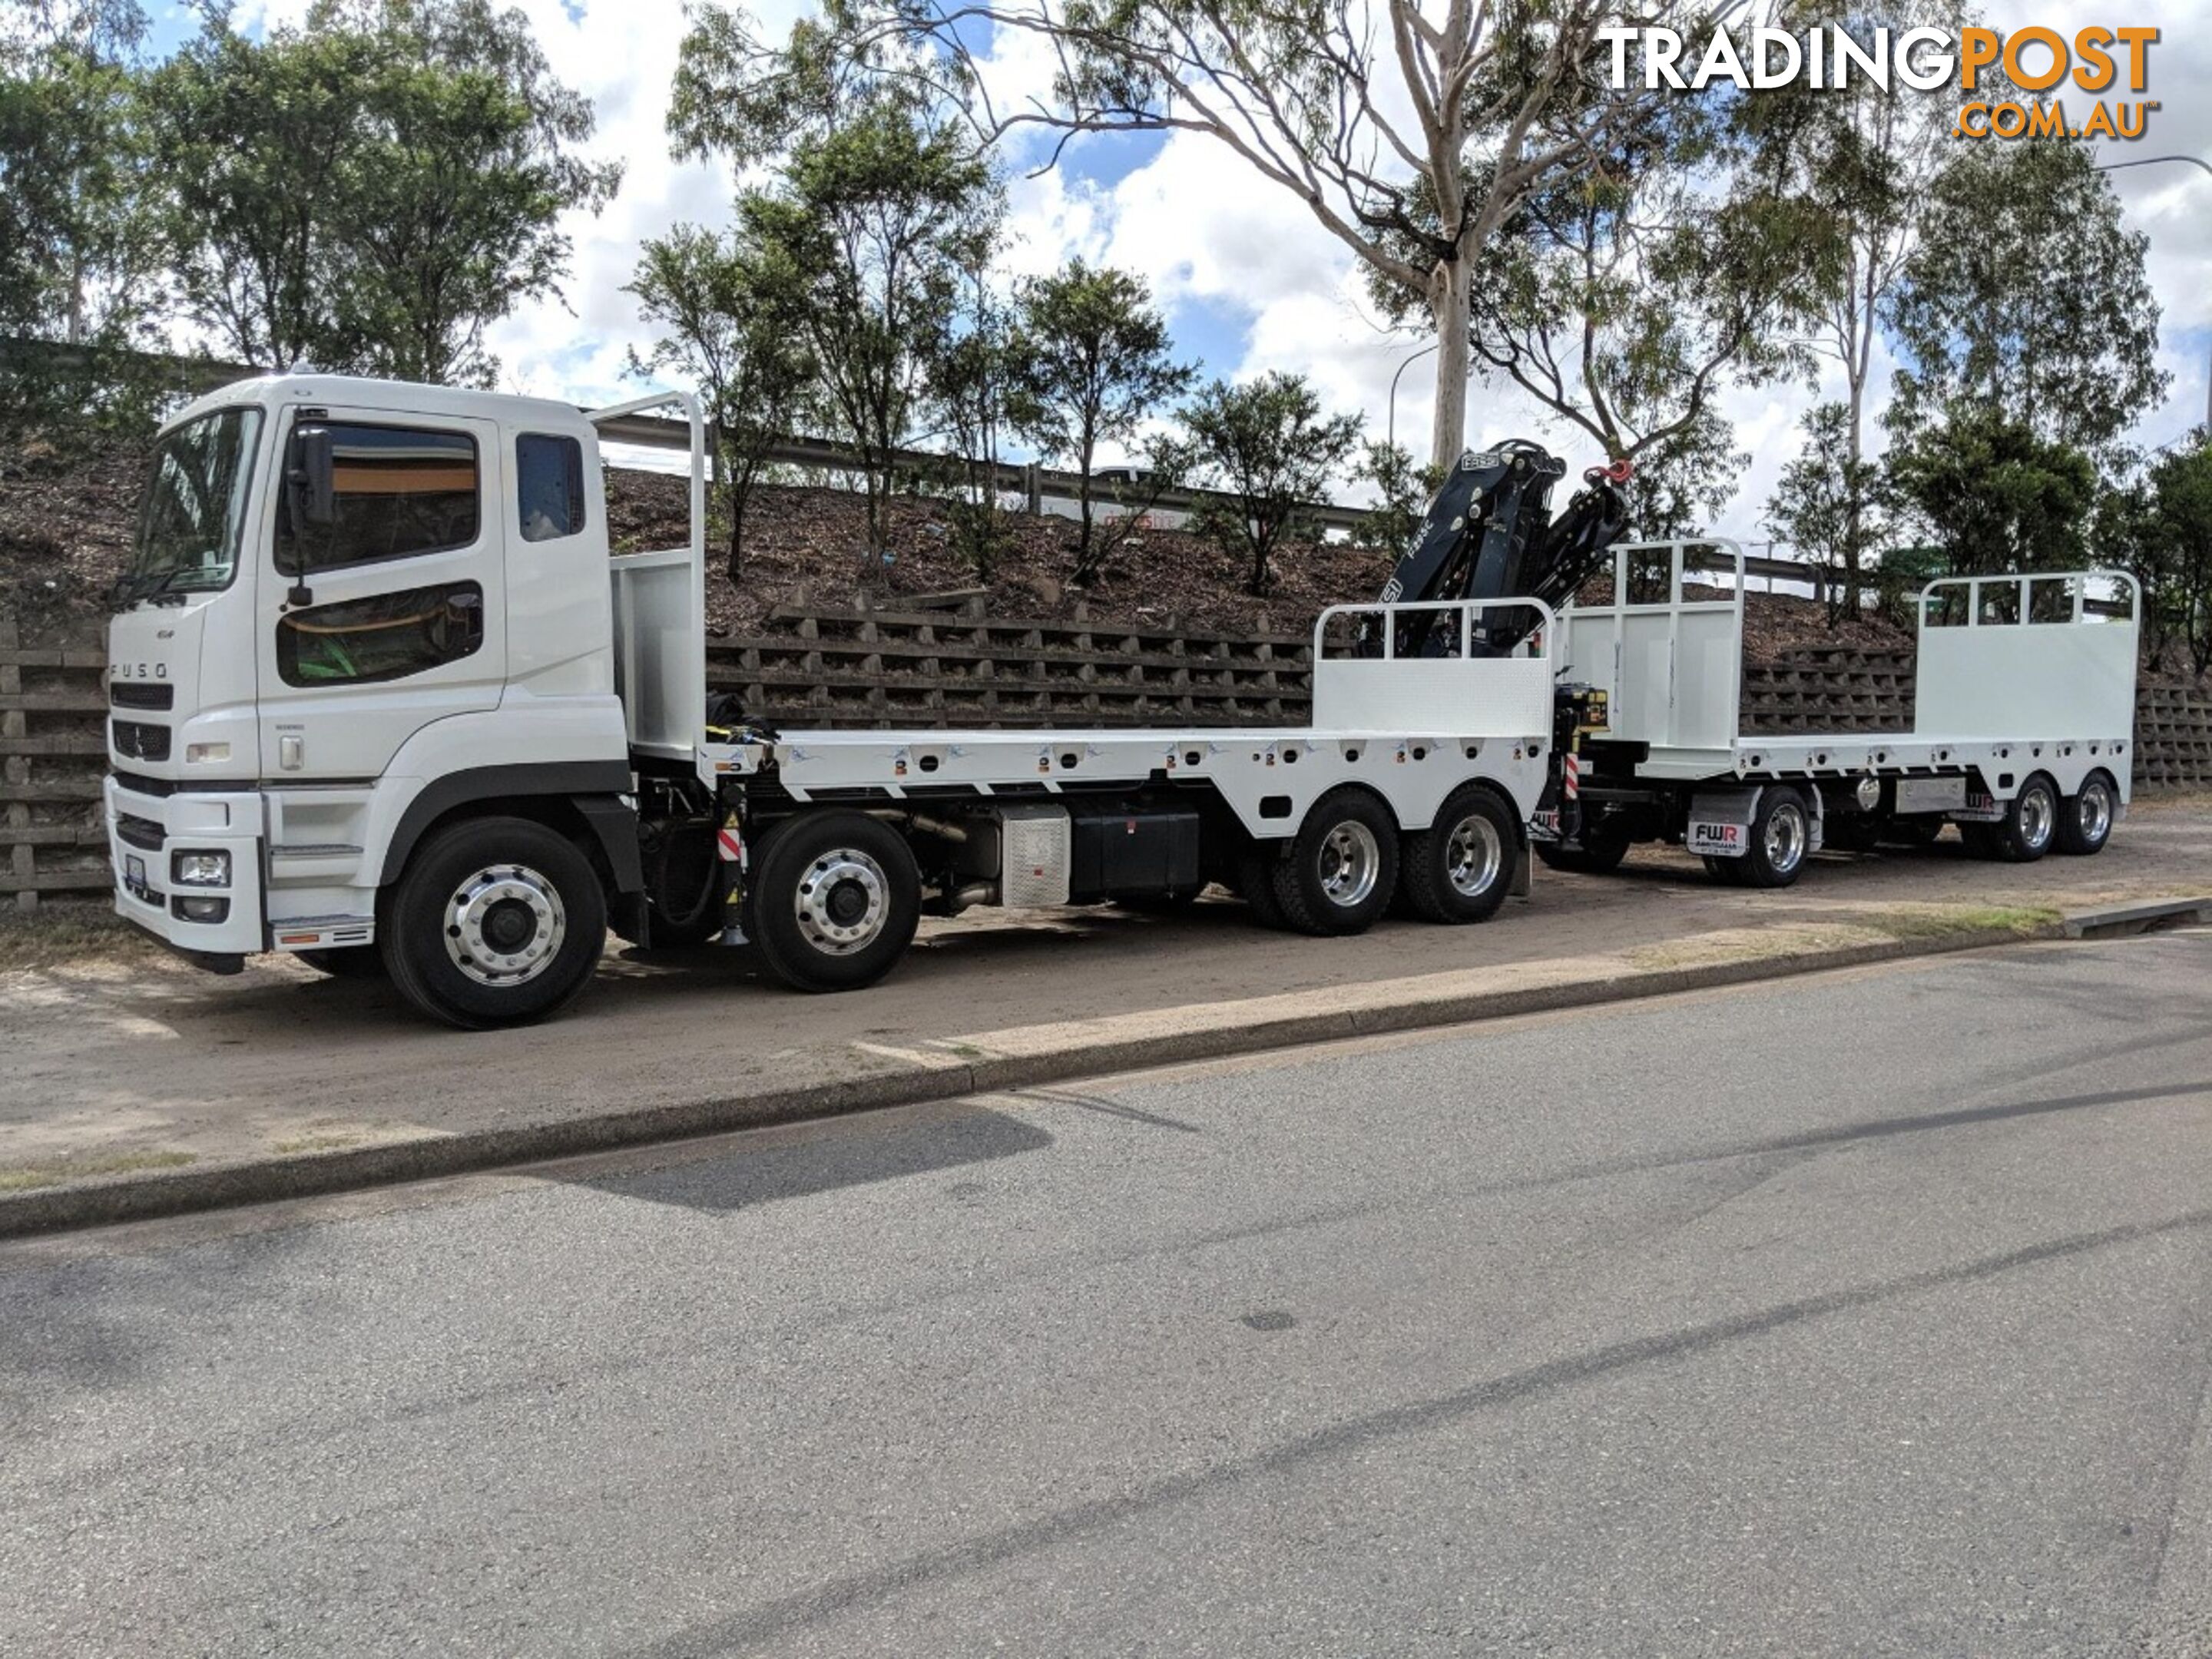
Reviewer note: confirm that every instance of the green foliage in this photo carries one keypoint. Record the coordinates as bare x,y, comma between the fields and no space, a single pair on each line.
1900,574
2027,295
1861,155
1403,490
723,312
1995,497
2163,530
871,225
972,380
1267,446
1833,509
77,280
1626,300
371,192
1093,361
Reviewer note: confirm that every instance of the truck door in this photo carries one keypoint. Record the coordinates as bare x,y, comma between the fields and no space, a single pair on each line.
387,607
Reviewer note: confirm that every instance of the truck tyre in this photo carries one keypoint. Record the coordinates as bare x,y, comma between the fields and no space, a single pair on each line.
2085,822
1727,871
833,900
1459,869
1589,855
346,962
1342,866
1255,882
1781,836
496,921
2029,826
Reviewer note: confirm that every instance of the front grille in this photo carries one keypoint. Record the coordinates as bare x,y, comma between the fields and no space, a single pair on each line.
138,784
143,833
140,740
134,694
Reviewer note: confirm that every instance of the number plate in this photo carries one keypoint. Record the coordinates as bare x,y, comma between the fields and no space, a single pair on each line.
134,877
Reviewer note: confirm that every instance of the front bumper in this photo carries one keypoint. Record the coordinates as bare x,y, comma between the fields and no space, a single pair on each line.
144,830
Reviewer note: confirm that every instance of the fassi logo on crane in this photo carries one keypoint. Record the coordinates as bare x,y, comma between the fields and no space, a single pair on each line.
2030,60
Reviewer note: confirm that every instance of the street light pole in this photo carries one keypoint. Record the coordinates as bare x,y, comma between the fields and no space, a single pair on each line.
2194,161
1391,428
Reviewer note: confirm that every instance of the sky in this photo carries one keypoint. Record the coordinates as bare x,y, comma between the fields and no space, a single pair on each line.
1249,281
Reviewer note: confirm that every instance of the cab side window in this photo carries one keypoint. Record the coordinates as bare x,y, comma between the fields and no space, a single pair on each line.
548,475
398,491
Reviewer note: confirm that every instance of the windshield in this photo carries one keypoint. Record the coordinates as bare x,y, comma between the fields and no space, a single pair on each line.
189,521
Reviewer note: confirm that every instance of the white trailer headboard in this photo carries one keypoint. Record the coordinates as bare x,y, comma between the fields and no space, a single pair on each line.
1673,670
2036,655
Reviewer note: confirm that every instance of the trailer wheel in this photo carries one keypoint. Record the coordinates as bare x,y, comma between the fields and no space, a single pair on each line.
1591,855
496,922
1255,880
1342,866
1781,836
1460,868
2085,822
1727,871
2028,827
833,901
345,961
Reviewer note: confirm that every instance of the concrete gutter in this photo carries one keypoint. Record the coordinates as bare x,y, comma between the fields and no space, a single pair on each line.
1020,1057
2120,920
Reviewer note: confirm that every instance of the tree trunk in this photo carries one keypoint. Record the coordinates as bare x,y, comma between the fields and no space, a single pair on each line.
1450,293
1854,499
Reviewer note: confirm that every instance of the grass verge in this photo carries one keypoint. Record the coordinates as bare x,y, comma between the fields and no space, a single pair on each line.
26,1177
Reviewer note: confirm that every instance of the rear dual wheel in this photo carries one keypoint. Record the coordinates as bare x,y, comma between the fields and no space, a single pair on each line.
2085,822
1458,870
1338,872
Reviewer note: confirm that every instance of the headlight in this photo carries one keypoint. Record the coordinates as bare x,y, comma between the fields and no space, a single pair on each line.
200,869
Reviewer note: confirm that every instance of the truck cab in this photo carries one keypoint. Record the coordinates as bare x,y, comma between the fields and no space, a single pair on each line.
360,616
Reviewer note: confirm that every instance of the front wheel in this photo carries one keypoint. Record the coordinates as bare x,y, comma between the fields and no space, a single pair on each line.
1458,869
834,901
497,921
2085,822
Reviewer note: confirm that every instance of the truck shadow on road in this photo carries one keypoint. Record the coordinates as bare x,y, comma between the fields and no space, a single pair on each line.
831,1159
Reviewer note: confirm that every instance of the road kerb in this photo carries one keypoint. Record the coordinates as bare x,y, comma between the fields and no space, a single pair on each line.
1024,1058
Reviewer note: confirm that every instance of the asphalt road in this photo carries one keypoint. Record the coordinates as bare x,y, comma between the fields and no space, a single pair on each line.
1866,1315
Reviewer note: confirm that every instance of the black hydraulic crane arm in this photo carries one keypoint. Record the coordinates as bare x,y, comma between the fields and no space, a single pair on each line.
1489,535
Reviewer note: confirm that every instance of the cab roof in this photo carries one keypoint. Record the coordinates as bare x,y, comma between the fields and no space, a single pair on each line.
396,397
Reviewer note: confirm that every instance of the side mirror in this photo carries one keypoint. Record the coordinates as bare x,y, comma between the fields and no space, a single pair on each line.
311,478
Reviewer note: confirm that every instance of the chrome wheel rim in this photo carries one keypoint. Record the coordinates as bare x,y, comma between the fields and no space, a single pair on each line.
1785,838
1474,855
1350,862
2094,812
842,902
2036,816
504,924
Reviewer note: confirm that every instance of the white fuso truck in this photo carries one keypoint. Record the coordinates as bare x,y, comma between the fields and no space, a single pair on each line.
382,698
